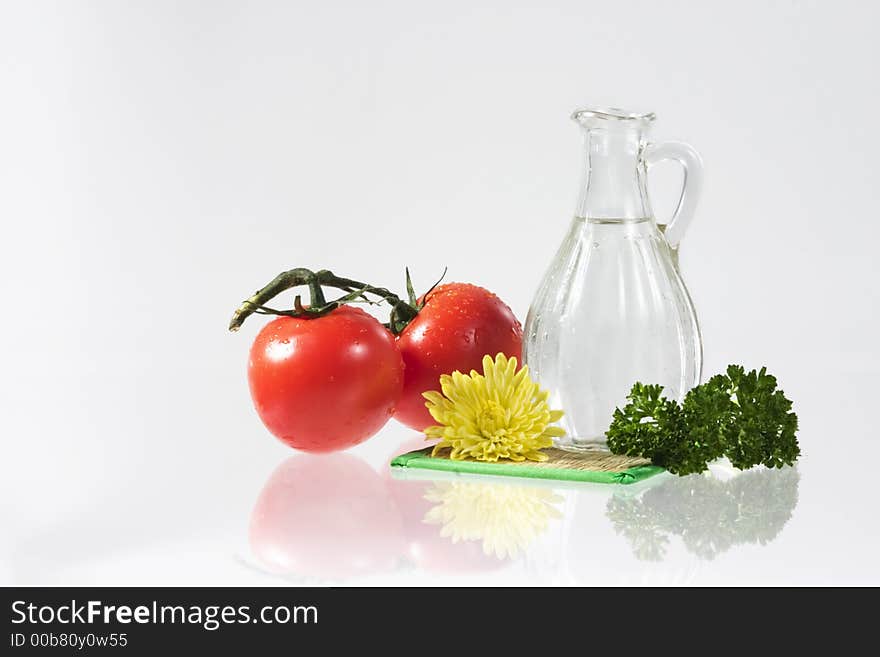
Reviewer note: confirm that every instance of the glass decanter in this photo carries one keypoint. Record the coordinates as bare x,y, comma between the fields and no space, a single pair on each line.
612,308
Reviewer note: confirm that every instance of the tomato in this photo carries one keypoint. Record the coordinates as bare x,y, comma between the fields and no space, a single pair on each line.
327,383
328,517
458,325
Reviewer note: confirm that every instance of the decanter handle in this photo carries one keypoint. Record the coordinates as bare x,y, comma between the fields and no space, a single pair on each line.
692,164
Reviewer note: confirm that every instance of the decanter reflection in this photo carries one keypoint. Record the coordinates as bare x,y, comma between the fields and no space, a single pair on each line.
612,308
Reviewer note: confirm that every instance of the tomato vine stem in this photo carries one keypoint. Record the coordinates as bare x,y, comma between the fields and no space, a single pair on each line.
401,311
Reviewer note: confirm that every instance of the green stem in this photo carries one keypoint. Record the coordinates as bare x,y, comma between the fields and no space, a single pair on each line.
284,281
401,313
317,299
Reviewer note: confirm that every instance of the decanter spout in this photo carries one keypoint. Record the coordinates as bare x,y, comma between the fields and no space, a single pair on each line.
613,180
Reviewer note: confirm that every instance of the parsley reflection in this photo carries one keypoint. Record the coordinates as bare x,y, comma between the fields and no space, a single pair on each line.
710,515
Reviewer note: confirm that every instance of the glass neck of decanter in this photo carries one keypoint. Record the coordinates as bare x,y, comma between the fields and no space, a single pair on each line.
613,183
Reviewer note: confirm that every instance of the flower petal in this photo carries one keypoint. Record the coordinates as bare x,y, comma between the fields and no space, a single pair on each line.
500,414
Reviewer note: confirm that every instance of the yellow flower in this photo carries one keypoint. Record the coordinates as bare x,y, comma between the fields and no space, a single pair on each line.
500,414
507,519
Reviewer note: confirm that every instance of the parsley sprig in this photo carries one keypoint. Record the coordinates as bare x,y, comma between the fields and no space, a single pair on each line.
739,414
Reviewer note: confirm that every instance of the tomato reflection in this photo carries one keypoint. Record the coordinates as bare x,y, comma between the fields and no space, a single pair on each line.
328,517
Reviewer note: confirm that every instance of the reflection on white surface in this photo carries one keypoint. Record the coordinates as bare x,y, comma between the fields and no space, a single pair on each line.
505,519
326,517
427,550
334,518
341,518
711,515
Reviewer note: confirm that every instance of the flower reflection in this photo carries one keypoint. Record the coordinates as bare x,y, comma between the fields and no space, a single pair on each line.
426,549
506,519
710,515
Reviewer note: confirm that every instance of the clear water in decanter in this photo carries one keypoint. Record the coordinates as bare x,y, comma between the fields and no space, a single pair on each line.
612,309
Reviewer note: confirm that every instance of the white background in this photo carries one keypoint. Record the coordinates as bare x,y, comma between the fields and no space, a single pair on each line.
161,160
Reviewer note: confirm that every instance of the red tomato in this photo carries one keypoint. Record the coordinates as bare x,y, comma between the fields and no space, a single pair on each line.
328,383
327,517
459,324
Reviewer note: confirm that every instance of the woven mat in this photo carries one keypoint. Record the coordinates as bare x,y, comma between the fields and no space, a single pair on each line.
592,466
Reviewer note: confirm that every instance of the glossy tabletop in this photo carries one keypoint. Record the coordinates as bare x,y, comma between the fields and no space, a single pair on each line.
251,511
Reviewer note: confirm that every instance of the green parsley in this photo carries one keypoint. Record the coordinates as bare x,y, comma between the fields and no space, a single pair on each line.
738,415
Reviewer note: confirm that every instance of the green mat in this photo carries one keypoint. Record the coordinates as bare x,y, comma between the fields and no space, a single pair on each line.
595,466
